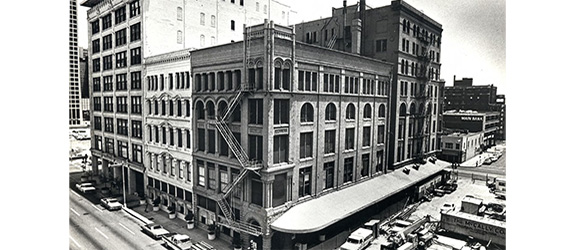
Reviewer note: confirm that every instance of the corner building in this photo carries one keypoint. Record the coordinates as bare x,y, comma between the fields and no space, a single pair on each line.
277,123
410,40
122,33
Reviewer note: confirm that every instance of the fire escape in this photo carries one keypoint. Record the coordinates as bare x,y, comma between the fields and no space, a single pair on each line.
246,164
423,95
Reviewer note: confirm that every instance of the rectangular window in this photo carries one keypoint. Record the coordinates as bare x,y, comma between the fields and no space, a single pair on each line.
305,145
379,164
107,42
137,129
211,176
135,32
328,169
257,193
109,145
123,149
98,142
233,25
107,21
380,134
134,8
96,84
120,15
364,165
95,26
121,82
349,138
348,169
366,136
201,174
256,111
224,177
304,182
96,65
329,141
189,174
120,37
137,153
108,83
136,80
281,111
123,127
97,104
96,46
136,105
381,45
211,141
108,104
97,123
201,139
107,61
135,56
281,147
179,135
122,104
109,124
255,147
202,19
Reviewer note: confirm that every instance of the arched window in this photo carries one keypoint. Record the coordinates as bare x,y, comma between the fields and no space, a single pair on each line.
421,111
200,110
211,109
222,107
402,110
179,108
350,112
171,104
404,25
306,113
381,112
163,107
402,66
367,111
412,109
156,108
330,112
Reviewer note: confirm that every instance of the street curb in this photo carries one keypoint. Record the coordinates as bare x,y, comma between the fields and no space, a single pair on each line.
137,215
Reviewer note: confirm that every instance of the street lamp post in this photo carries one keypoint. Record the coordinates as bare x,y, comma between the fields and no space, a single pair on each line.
124,186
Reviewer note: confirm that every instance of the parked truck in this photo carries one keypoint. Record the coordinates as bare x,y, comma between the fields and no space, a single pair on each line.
359,239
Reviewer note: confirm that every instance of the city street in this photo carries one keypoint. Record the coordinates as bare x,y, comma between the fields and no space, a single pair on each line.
495,169
93,227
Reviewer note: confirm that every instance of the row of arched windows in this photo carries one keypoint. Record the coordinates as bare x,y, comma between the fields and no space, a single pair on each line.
178,107
412,110
307,111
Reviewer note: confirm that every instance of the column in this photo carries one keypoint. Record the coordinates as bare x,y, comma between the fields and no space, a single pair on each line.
266,241
267,194
94,164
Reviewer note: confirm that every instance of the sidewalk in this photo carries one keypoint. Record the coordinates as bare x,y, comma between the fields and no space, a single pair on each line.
179,226
478,160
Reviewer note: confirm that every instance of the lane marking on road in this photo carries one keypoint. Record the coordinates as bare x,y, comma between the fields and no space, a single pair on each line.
75,242
75,211
96,207
101,233
126,228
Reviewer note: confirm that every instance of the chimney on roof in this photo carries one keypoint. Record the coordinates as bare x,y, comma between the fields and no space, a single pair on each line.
356,36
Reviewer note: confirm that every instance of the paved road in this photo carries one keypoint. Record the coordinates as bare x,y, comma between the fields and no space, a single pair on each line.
93,227
496,169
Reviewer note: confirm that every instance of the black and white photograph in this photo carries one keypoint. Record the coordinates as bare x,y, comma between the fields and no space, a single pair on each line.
277,124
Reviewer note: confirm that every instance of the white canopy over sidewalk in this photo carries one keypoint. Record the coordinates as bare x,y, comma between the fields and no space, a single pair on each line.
319,213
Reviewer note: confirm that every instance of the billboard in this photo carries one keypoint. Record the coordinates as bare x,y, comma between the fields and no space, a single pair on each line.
479,227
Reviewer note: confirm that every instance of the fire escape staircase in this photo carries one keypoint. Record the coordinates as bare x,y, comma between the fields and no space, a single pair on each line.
243,159
424,94
332,41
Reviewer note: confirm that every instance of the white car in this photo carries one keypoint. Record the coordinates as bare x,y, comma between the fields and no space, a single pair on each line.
154,230
86,187
447,207
111,203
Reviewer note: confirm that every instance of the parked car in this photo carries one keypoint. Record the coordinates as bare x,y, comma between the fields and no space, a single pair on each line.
111,203
449,188
154,230
488,161
447,207
86,187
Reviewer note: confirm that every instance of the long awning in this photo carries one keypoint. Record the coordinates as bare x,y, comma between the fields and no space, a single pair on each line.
319,213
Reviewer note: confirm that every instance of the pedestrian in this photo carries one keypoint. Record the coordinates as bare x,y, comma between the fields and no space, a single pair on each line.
146,209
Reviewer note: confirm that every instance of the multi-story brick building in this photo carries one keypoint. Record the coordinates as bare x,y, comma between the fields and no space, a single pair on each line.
400,34
123,32
461,146
302,118
481,98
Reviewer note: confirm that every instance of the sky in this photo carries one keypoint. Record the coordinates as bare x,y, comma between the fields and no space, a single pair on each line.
473,39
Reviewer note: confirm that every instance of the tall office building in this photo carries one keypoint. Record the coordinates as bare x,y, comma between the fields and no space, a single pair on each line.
400,34
74,103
